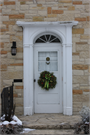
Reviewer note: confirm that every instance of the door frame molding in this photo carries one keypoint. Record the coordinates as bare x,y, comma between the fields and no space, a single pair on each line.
30,31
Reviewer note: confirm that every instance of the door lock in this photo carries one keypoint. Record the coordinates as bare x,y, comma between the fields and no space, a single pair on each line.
34,80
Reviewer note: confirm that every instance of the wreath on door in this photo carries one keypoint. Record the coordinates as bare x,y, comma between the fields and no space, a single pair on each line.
47,80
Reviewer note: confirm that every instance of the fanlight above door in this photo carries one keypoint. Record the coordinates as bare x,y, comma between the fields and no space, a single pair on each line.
48,38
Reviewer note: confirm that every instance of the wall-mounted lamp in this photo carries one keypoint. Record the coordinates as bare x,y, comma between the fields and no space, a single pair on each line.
13,48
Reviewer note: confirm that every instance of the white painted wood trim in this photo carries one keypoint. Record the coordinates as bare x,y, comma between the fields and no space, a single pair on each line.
65,23
30,31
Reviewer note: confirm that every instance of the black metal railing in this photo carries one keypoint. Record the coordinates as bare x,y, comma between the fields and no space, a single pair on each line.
7,98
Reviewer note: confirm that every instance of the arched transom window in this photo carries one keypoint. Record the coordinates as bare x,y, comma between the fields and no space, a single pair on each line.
48,38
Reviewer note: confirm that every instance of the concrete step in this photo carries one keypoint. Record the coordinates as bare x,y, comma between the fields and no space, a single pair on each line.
50,121
49,126
51,132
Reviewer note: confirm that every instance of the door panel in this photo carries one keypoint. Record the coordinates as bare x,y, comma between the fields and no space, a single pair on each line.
48,101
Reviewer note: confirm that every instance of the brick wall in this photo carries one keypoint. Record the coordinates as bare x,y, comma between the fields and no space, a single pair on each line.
45,10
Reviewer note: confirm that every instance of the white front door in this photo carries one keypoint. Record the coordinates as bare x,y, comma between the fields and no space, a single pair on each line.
48,101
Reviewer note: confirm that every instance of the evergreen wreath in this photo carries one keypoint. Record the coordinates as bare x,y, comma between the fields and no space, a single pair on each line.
47,80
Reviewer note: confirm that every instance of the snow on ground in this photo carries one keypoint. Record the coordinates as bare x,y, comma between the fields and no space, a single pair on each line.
5,123
19,122
13,122
26,130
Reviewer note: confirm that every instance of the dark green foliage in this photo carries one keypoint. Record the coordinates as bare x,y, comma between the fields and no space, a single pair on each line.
47,80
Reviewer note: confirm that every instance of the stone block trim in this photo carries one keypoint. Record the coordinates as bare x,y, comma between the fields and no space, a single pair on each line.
71,8
18,87
79,67
77,92
77,2
15,95
88,18
3,67
57,11
3,52
39,5
22,2
65,1
9,22
52,15
87,90
38,18
9,3
16,16
78,31
17,64
1,45
49,10
75,53
3,30
81,43
80,19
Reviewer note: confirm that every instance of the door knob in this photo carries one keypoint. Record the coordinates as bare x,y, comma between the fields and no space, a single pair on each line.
34,80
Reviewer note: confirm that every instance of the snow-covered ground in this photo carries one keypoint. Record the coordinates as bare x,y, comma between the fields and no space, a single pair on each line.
15,121
26,130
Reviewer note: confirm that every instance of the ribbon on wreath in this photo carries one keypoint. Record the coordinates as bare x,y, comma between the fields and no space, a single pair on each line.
47,77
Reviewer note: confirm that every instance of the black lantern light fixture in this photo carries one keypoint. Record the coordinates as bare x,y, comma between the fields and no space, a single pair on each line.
13,48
